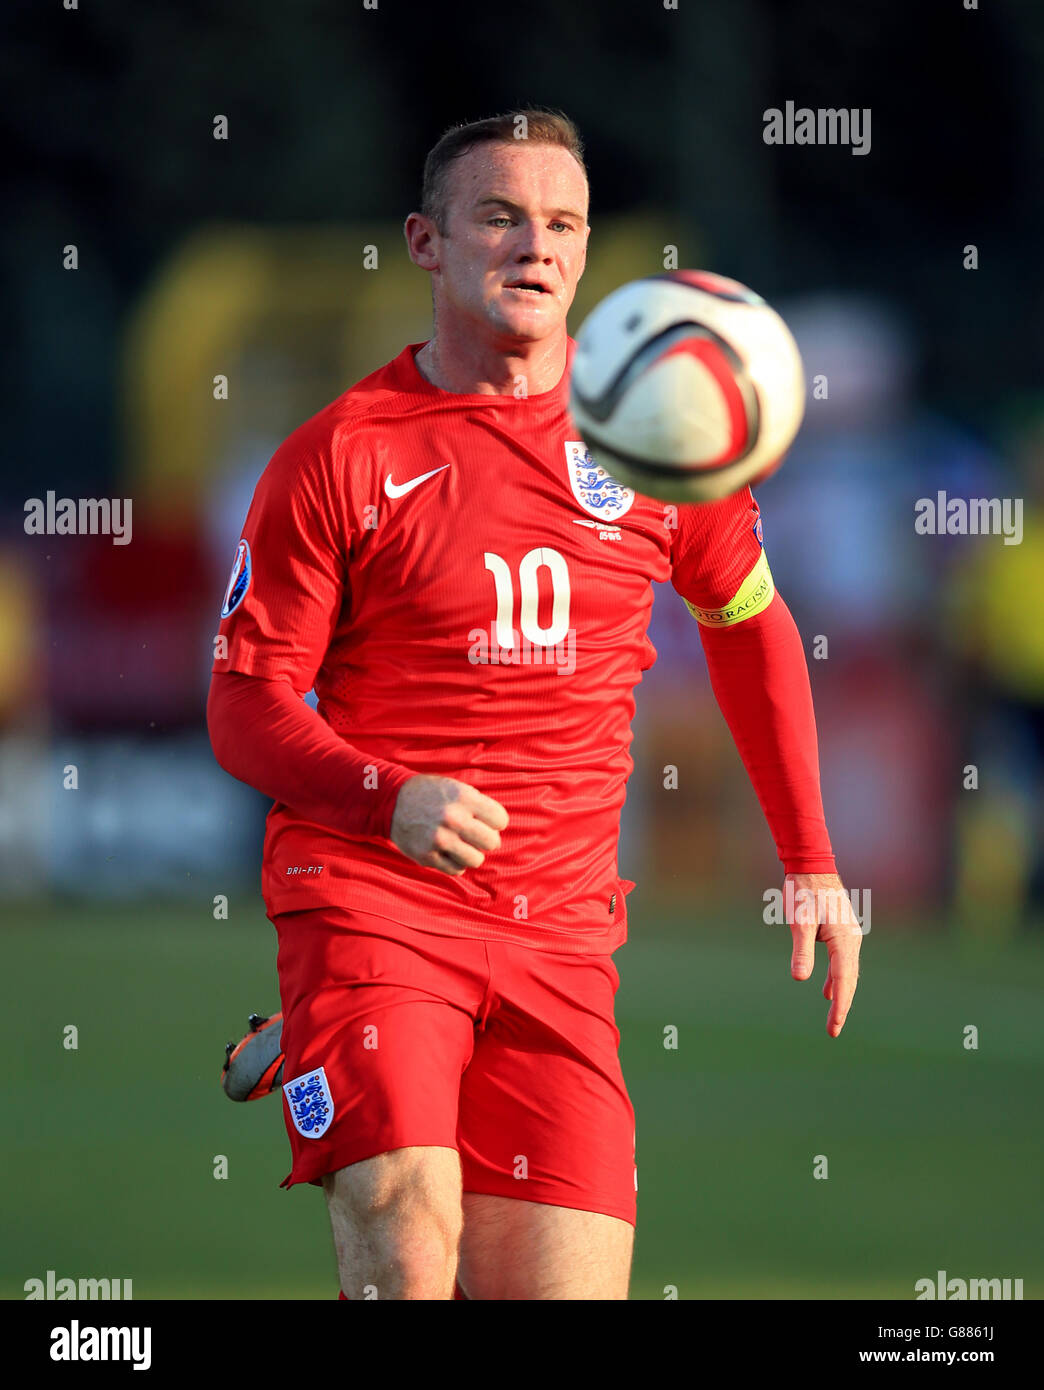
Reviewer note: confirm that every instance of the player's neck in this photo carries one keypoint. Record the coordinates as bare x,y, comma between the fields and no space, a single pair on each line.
456,363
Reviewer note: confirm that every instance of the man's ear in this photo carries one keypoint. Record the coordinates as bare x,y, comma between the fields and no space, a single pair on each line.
421,241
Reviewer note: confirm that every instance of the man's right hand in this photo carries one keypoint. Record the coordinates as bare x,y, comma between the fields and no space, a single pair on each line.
444,824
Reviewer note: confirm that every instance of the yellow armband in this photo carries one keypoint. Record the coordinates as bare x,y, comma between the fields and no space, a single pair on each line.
755,593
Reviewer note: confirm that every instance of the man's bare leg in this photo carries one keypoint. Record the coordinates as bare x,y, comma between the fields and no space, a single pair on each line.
511,1249
396,1222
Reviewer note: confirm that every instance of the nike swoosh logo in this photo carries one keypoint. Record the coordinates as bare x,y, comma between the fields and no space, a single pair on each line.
600,525
400,489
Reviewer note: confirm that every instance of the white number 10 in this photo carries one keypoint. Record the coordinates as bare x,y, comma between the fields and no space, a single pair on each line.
527,579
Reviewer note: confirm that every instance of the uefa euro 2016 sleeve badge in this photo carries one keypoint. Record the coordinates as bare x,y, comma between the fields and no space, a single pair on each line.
310,1102
238,580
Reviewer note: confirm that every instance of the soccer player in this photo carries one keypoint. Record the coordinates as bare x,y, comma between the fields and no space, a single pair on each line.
436,555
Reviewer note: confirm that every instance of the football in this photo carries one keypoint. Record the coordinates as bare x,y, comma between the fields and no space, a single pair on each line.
686,386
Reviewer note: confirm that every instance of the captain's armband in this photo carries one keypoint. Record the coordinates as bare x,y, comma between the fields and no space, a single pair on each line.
755,593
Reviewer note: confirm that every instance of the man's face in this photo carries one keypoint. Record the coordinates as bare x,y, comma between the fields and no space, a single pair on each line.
516,214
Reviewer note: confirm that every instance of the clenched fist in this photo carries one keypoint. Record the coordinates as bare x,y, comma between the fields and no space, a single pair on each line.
447,825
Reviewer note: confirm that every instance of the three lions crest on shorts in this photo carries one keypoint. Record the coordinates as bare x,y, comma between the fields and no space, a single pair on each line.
310,1102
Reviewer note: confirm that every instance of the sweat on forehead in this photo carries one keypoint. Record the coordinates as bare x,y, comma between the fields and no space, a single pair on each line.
518,173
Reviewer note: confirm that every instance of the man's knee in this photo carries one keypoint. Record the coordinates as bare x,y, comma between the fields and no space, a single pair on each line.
396,1222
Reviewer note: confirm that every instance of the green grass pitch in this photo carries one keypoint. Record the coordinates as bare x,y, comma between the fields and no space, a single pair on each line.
933,1149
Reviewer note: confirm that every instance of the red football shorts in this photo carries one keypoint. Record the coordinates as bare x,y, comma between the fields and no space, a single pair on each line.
397,1037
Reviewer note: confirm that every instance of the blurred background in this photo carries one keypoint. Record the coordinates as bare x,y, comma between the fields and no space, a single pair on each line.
141,259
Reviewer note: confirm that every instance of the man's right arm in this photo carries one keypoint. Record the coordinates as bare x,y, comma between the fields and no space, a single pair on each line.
290,587
264,734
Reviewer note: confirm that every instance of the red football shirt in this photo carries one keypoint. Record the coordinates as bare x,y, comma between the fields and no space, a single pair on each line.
469,594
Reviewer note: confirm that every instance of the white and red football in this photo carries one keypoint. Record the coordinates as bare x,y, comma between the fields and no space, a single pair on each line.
686,386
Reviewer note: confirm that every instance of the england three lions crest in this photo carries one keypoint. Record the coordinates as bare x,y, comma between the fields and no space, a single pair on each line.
310,1102
598,493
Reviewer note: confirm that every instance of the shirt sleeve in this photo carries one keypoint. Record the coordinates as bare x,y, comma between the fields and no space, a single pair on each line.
289,577
757,670
760,680
269,738
718,560
285,595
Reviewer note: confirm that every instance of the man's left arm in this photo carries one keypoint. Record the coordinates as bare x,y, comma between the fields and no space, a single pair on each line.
760,680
